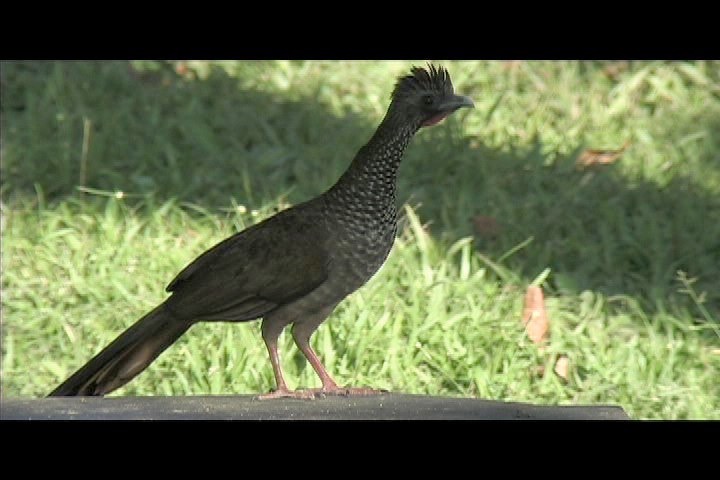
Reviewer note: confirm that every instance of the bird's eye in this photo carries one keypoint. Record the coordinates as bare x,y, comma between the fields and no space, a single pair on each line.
428,99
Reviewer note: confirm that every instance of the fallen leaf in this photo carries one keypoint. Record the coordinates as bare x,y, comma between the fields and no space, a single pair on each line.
613,70
591,157
181,68
485,226
534,315
511,64
562,366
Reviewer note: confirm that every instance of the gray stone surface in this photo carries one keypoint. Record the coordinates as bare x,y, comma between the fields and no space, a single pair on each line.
248,407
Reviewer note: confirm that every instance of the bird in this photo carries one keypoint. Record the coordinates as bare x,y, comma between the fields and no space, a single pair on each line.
294,267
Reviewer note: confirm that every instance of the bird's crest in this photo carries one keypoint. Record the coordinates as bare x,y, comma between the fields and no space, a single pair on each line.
432,78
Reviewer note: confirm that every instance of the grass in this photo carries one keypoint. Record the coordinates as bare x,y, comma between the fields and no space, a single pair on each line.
115,175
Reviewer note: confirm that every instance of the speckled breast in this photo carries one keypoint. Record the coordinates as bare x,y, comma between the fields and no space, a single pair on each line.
360,247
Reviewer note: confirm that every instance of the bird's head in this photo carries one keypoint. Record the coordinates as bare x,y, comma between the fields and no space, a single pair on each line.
426,96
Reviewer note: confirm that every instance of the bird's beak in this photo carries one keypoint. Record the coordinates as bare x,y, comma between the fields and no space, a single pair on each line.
448,106
456,101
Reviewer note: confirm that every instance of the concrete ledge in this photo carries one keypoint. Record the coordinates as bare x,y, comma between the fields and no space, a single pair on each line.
246,407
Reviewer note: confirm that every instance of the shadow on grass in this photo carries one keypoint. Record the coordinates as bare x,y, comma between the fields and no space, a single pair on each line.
199,141
207,141
595,229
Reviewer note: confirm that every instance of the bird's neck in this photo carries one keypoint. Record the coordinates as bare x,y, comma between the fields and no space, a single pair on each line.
371,179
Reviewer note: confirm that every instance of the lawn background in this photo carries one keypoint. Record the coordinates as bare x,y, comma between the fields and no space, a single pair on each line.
116,174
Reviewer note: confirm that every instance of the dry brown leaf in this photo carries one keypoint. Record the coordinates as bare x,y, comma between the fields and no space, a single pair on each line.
613,70
534,315
181,68
562,367
591,157
485,226
511,64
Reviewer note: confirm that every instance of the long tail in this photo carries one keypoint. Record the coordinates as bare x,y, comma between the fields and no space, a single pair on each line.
128,355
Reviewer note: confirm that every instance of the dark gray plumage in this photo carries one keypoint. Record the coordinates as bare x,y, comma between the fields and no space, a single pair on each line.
294,267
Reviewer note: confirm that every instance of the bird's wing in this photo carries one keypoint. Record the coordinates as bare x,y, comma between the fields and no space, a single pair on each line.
256,270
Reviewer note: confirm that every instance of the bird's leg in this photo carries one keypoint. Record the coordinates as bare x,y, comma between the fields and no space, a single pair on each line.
271,331
302,340
301,334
